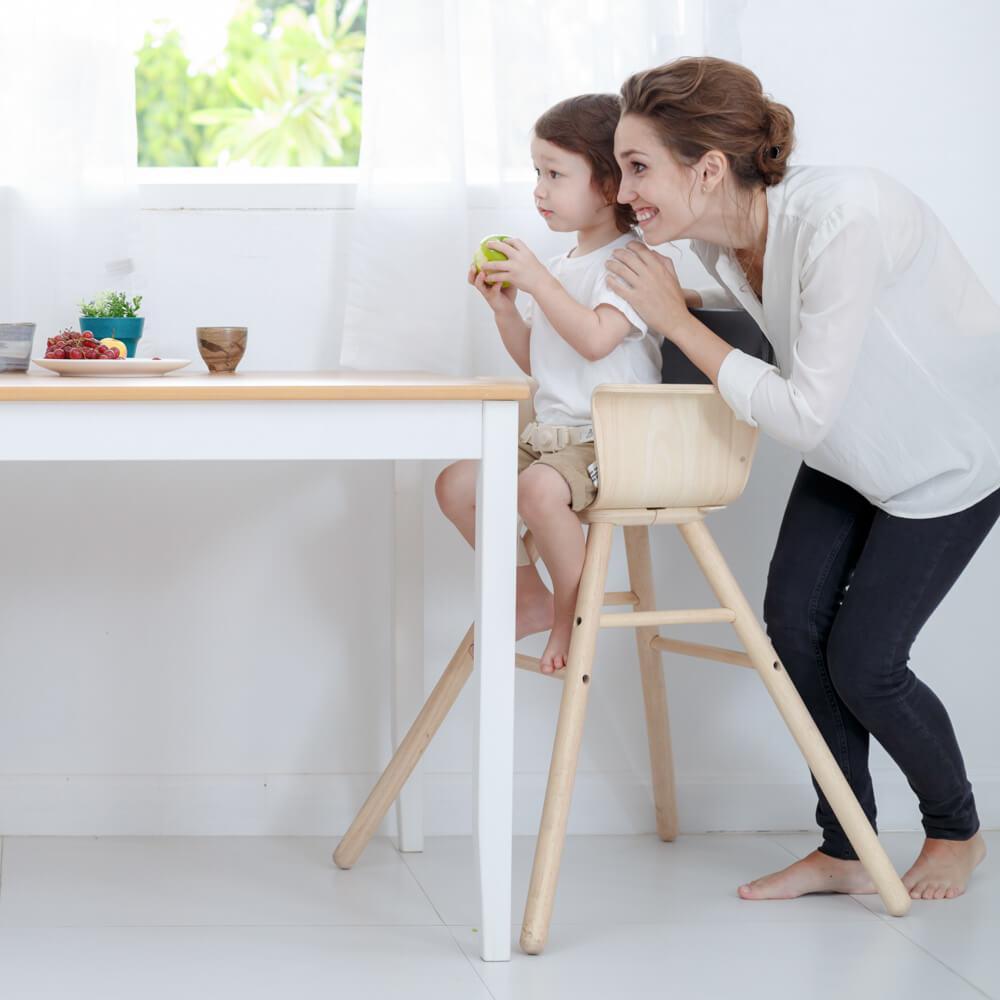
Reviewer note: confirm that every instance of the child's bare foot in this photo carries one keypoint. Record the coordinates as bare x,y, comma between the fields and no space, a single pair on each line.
535,607
557,648
817,872
943,867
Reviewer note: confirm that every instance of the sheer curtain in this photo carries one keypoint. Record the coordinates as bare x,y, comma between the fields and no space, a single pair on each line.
67,122
451,90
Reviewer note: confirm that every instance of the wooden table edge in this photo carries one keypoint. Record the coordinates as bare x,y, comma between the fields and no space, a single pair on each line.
56,389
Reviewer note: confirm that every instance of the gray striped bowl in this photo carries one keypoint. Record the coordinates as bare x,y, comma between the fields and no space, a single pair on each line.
15,346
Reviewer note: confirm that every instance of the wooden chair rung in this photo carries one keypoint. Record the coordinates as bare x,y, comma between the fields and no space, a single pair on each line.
533,664
621,597
646,619
701,651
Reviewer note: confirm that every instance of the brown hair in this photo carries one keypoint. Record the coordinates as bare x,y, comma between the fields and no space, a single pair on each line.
586,125
700,103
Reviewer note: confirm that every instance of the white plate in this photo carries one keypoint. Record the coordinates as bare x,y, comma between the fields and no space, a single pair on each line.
122,368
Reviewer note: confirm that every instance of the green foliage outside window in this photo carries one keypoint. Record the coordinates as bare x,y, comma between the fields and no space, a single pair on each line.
285,92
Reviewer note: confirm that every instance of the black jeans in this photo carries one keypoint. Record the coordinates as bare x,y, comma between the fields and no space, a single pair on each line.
849,588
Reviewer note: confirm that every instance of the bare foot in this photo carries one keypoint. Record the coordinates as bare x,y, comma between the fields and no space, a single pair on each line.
943,867
535,607
557,648
817,872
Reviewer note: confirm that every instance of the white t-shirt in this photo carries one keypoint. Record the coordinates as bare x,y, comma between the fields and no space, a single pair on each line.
565,378
887,344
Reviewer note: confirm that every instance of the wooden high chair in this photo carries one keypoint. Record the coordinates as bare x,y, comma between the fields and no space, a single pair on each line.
666,454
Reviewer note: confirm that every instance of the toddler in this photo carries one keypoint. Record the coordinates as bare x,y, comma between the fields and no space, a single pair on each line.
575,334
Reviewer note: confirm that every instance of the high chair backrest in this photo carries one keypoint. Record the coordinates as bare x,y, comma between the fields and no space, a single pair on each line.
668,446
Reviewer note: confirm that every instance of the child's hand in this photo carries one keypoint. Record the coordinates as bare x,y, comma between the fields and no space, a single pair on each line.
521,268
497,297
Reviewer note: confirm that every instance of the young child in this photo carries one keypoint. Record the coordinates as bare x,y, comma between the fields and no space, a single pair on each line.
575,335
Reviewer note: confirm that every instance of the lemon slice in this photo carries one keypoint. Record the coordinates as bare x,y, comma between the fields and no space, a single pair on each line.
116,344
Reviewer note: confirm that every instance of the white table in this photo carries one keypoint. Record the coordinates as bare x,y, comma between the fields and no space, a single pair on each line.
306,416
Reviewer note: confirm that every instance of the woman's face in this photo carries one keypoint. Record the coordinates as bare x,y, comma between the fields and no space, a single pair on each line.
564,191
661,191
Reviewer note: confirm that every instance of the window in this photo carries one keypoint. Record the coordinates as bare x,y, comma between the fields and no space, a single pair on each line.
224,87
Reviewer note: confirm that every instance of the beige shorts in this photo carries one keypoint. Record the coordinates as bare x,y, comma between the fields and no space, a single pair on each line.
572,462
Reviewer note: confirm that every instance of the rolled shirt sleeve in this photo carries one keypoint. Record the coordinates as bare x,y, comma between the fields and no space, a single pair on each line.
607,297
843,272
738,378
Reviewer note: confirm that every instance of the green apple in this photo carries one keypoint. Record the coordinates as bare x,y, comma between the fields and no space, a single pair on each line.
485,253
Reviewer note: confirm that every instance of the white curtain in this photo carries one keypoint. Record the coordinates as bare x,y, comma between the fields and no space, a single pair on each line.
67,127
451,89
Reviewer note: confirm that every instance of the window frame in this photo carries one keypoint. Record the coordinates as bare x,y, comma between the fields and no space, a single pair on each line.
289,188
247,188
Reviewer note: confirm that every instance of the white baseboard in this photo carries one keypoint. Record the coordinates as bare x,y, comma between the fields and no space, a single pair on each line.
323,805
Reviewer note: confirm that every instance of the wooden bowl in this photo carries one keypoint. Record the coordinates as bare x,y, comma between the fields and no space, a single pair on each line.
221,347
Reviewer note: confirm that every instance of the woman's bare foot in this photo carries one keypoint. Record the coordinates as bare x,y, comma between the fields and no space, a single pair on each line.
943,867
817,872
557,648
535,607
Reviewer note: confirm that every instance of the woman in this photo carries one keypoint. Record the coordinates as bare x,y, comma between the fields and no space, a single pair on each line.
887,347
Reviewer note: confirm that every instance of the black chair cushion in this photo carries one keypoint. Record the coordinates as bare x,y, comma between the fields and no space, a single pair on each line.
735,326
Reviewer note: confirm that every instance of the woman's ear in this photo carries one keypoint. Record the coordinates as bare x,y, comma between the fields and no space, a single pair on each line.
712,168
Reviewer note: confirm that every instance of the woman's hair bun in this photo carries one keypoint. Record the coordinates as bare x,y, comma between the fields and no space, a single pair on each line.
776,143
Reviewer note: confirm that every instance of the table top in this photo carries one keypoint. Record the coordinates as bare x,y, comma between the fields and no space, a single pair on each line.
341,384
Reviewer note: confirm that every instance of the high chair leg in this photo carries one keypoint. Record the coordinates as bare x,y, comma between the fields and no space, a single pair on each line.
817,754
562,770
406,757
654,689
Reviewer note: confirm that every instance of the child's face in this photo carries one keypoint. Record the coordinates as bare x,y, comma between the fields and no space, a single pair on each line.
659,188
565,195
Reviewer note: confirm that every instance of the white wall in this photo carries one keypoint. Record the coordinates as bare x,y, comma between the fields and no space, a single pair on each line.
204,649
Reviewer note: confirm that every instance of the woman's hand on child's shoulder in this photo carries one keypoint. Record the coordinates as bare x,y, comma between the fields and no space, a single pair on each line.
521,268
647,281
497,297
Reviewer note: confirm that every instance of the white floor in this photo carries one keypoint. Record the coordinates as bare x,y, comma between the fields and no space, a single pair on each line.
186,918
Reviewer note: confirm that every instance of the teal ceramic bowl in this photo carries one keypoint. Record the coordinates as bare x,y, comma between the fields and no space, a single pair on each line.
127,329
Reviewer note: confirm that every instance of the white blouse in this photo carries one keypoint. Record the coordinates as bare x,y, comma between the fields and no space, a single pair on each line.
888,346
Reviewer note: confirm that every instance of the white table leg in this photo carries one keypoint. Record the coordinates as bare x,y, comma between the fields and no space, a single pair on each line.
408,638
496,523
